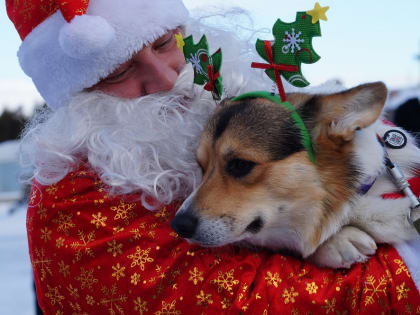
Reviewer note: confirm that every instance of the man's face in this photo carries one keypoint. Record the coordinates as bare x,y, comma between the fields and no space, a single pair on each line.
153,69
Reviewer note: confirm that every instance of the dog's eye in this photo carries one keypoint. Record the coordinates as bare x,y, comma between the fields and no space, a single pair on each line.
239,168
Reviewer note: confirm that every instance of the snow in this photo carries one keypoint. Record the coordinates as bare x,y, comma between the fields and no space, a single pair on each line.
16,291
9,151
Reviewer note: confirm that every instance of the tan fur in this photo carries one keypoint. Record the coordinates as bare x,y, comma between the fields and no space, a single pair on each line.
284,200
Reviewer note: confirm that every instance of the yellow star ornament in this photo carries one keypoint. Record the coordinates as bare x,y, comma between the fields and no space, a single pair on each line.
318,13
180,41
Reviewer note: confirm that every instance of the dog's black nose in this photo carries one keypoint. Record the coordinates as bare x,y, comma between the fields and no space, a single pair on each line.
184,224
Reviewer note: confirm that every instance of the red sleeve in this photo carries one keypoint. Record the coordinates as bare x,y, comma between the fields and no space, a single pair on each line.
97,254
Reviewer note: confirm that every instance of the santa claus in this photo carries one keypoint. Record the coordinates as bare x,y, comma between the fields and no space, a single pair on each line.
114,157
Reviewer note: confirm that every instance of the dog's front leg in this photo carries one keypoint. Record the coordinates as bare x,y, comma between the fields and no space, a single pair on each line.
341,244
384,219
343,249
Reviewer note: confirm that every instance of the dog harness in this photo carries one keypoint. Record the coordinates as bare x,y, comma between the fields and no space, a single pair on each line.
306,139
403,185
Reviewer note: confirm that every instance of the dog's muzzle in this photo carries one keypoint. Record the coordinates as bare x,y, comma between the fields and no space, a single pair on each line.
185,224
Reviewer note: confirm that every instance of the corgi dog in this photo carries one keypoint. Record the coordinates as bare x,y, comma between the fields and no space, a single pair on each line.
260,186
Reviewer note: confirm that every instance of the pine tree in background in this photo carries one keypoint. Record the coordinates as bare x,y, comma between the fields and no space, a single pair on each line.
11,124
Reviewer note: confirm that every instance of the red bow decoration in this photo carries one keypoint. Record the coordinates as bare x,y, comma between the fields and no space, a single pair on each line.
276,67
212,78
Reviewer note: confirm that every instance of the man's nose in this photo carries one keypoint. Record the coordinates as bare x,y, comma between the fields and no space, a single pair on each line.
159,76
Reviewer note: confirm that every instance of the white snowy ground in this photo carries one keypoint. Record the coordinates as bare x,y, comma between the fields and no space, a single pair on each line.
16,292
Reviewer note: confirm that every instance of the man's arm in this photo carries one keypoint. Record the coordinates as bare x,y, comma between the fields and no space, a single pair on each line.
95,253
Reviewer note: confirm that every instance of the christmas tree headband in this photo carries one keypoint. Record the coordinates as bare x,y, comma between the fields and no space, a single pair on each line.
306,138
206,67
292,46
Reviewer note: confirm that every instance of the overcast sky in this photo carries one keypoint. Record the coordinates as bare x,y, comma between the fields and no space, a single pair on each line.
362,41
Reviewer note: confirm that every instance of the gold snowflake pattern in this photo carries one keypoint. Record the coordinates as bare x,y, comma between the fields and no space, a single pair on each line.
86,279
312,288
289,296
225,281
112,301
46,234
329,305
402,267
204,299
90,300
118,271
162,214
26,11
52,190
73,291
245,307
174,235
48,6
168,309
54,295
294,311
226,303
42,212
273,279
98,201
136,233
140,257
42,263
64,222
140,306
34,196
117,229
123,211
64,269
195,276
76,308
98,220
402,291
85,239
354,295
114,248
59,242
372,290
135,278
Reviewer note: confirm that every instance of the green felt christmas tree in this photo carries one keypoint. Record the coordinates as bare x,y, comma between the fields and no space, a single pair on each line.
206,66
292,46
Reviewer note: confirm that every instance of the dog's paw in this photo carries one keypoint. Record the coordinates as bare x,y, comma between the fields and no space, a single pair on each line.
348,246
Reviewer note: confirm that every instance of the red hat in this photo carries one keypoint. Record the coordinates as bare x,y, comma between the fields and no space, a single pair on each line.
70,45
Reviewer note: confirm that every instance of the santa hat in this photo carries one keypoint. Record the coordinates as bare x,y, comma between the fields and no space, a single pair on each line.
70,45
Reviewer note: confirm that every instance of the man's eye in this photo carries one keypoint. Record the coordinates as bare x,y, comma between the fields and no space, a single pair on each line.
118,76
239,168
165,42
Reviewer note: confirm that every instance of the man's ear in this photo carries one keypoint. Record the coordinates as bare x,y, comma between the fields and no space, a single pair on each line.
345,112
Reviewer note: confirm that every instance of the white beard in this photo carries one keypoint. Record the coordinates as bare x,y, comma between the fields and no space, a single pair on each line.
143,145
146,144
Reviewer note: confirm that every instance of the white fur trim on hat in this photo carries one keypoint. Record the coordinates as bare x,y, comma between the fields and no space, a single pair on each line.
85,36
63,59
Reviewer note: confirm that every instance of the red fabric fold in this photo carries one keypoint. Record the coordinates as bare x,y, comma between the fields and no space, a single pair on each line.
93,253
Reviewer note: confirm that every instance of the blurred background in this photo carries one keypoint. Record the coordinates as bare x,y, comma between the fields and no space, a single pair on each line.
362,41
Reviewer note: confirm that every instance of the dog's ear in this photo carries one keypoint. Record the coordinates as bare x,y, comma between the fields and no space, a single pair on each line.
345,112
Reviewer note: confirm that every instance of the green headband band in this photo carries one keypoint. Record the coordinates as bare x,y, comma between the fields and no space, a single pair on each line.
306,139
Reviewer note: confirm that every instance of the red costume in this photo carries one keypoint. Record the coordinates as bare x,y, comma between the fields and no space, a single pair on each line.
93,253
